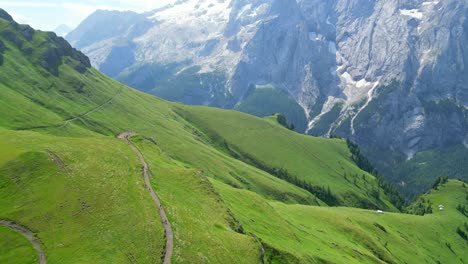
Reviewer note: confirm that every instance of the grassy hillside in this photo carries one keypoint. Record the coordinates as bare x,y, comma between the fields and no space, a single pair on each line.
316,234
80,196
234,186
14,248
317,161
75,115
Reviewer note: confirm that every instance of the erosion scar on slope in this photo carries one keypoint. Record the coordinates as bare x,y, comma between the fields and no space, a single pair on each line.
169,235
29,235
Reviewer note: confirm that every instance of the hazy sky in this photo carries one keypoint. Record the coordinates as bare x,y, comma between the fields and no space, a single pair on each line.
48,14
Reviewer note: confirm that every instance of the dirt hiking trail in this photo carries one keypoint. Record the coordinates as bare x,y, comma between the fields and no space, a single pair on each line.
168,233
33,239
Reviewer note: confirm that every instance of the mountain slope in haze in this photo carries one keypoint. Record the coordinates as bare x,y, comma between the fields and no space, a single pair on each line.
65,175
404,101
62,30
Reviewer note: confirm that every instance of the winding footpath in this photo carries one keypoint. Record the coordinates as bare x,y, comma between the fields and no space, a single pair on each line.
168,233
29,235
68,121
97,108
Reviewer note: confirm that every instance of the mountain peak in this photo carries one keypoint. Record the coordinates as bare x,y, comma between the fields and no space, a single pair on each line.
62,30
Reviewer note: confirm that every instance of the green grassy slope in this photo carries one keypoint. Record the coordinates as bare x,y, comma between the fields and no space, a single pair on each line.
197,212
65,175
14,248
317,234
106,107
80,196
318,161
103,109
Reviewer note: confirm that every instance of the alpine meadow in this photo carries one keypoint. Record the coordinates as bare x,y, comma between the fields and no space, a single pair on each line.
94,171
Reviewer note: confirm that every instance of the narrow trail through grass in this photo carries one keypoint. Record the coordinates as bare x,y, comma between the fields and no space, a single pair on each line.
74,118
29,235
97,108
168,233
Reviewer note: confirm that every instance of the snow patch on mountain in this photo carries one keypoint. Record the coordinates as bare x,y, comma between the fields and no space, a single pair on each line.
414,13
355,91
191,31
197,11
429,3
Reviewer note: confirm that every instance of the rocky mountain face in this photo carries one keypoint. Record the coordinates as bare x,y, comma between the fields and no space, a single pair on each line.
388,74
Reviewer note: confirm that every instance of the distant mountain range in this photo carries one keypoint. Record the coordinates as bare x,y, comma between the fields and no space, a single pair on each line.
62,30
391,75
